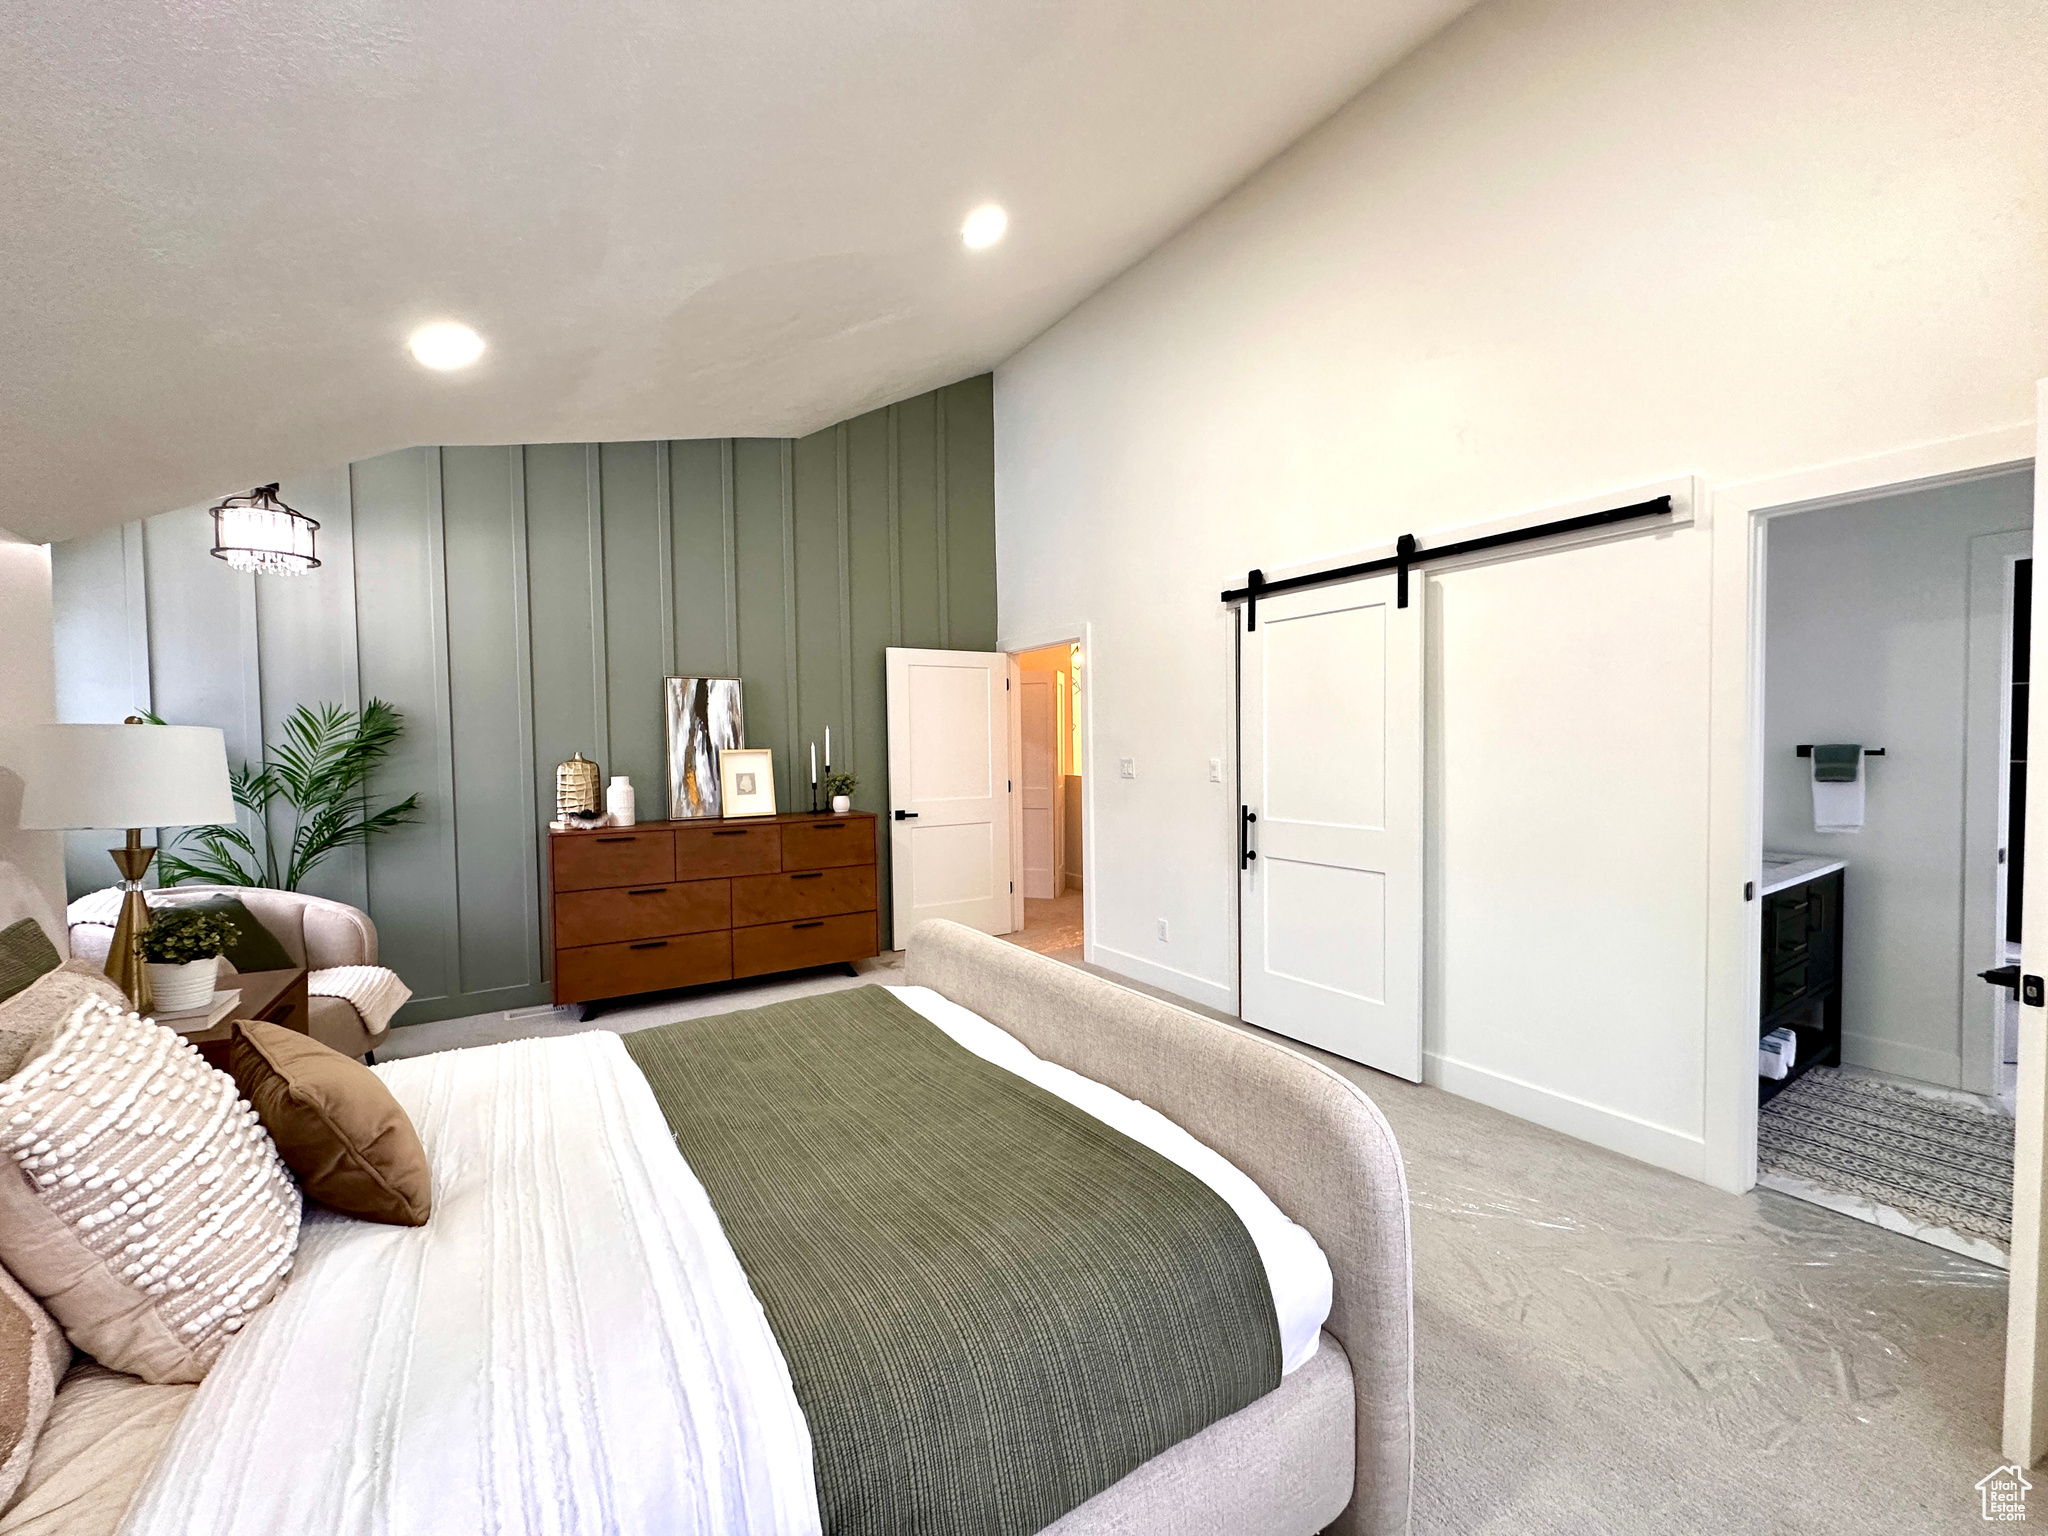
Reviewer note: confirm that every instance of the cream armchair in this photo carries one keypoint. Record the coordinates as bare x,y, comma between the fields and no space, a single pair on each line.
317,933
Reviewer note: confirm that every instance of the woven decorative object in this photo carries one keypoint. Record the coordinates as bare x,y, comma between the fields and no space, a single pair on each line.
150,1212
576,787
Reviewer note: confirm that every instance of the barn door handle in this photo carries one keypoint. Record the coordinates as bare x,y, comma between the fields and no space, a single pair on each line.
1245,855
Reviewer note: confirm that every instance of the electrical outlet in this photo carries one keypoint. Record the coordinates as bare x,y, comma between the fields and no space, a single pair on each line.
1127,767
1215,770
1162,930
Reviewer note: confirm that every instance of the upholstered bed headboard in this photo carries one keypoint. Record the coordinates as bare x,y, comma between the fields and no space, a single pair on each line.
1307,1136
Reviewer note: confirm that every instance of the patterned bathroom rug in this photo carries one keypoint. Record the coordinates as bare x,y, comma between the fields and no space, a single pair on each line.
1939,1169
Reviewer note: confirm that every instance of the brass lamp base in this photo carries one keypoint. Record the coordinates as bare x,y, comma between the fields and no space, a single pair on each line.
124,960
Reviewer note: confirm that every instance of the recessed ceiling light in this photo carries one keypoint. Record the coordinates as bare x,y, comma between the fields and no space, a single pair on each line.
445,344
984,227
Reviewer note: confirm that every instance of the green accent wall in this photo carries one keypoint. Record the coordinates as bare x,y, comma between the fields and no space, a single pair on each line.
523,603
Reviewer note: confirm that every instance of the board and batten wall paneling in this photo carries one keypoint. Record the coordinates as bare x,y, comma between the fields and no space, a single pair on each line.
519,604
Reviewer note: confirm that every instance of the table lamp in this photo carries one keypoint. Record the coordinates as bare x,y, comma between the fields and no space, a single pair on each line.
131,776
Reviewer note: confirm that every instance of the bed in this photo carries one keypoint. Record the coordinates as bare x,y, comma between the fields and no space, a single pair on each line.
578,1340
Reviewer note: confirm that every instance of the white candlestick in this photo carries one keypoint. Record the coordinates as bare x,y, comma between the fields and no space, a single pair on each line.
828,748
814,762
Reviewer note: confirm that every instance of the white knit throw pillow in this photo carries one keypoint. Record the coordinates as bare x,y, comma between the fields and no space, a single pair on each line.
147,1208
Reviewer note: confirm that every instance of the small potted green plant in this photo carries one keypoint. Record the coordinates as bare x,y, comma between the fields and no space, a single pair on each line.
840,786
182,951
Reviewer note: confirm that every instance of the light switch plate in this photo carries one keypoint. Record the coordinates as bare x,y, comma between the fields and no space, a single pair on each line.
1127,767
1215,770
1162,930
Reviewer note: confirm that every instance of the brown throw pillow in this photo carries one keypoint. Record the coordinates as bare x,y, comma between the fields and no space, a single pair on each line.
335,1124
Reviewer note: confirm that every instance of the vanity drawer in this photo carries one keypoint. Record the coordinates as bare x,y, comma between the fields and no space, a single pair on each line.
802,893
792,946
630,912
650,965
725,849
832,844
613,858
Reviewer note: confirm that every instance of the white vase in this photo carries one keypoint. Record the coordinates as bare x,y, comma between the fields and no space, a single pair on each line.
618,801
178,988
841,804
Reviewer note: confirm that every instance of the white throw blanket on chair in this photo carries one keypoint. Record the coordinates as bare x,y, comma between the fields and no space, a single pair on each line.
372,991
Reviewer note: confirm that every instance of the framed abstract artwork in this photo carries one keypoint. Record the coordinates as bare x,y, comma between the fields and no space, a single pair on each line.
704,719
746,779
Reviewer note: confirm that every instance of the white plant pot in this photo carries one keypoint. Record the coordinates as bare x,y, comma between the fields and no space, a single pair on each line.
841,804
177,988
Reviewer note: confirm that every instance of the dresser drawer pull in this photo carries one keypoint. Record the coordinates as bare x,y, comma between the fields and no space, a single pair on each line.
652,890
816,923
650,944
616,839
734,832
828,826
816,874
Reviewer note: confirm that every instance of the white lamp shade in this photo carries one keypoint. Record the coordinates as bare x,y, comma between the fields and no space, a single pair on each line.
125,776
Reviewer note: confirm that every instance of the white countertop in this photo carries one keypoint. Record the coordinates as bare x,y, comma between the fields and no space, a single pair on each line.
1782,871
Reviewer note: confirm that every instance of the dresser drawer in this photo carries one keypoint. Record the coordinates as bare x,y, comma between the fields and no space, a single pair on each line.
705,852
650,965
641,912
791,946
613,858
828,844
802,893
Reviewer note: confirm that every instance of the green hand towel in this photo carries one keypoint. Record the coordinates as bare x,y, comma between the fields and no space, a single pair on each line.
1837,762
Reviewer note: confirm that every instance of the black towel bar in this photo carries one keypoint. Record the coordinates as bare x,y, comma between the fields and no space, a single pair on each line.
1805,749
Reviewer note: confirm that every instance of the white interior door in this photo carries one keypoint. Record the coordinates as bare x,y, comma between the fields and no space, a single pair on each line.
2026,1306
1331,913
949,784
1037,715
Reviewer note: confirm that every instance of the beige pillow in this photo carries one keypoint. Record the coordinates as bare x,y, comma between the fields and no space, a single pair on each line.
146,1208
33,1355
31,1016
335,1124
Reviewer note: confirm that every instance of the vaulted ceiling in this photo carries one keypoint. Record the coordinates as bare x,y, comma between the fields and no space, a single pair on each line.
223,218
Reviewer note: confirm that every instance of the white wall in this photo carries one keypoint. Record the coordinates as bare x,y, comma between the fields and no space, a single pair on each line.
1868,640
27,697
1565,248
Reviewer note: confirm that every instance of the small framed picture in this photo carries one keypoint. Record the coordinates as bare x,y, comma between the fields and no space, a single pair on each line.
746,781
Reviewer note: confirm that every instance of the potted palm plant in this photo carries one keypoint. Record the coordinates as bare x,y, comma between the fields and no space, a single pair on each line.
182,951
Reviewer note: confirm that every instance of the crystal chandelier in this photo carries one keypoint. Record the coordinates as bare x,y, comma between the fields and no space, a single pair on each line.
257,532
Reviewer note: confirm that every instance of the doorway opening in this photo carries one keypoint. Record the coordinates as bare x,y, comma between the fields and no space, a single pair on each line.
1894,673
1051,859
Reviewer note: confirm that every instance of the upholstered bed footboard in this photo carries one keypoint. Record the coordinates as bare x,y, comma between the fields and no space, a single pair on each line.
1310,1138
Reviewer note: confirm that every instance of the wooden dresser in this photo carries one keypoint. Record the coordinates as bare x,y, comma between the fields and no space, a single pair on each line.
681,903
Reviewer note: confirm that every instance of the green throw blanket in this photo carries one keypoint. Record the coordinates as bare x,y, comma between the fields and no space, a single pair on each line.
993,1305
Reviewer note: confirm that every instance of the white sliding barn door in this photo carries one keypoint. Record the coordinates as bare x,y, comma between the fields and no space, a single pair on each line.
1331,920
949,788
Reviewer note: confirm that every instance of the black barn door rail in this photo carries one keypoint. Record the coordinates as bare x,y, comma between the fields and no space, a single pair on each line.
1407,555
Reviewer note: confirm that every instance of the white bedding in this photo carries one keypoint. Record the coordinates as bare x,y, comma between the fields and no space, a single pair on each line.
570,1344
1296,1267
